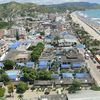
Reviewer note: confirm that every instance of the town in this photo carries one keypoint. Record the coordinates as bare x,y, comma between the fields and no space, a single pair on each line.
47,57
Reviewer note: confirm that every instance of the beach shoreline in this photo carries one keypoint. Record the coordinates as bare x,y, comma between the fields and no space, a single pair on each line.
88,28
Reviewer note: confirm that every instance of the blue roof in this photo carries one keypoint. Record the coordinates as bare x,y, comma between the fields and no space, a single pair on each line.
76,65
80,46
13,77
12,74
81,75
67,75
55,76
1,65
49,37
64,33
43,64
15,45
65,65
20,64
30,64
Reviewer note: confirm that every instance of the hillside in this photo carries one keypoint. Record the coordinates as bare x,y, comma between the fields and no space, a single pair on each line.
75,6
14,8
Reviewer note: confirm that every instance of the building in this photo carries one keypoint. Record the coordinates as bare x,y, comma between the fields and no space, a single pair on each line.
98,58
54,97
3,47
17,56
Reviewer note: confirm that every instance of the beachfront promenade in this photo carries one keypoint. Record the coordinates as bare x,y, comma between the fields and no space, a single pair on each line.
85,25
92,67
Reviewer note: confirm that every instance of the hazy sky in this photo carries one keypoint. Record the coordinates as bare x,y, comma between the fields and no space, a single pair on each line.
50,1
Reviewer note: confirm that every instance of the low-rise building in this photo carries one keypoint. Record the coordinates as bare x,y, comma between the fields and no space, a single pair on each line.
3,47
54,97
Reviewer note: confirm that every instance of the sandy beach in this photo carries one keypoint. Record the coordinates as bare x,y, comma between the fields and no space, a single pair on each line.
86,27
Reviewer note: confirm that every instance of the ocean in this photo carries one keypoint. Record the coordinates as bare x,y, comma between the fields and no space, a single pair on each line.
92,13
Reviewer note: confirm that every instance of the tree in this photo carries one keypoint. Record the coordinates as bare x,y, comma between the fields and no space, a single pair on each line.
30,76
74,87
37,52
17,36
11,89
5,78
2,92
1,71
44,75
22,87
56,39
8,64
4,25
42,33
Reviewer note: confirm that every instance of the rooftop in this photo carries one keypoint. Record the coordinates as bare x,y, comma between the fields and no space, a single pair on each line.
54,97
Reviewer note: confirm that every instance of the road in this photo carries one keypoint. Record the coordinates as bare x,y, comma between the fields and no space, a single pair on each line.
85,95
92,67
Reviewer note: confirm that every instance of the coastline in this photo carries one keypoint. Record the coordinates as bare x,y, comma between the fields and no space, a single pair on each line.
88,28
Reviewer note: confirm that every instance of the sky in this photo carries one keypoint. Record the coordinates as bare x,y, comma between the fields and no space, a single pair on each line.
50,1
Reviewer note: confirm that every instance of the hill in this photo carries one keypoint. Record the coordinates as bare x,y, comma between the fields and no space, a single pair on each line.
75,6
15,8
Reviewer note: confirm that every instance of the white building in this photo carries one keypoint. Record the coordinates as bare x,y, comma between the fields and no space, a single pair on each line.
3,47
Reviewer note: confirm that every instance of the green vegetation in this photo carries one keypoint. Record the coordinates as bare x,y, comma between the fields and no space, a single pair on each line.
27,9
4,78
1,71
95,88
92,44
2,92
29,74
8,64
4,25
17,36
44,75
74,87
22,87
41,33
37,51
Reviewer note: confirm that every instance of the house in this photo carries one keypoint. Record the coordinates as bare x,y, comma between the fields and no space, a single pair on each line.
67,75
40,83
84,78
17,56
47,54
53,97
43,64
63,82
67,39
15,45
55,76
72,56
13,74
22,57
30,64
3,47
